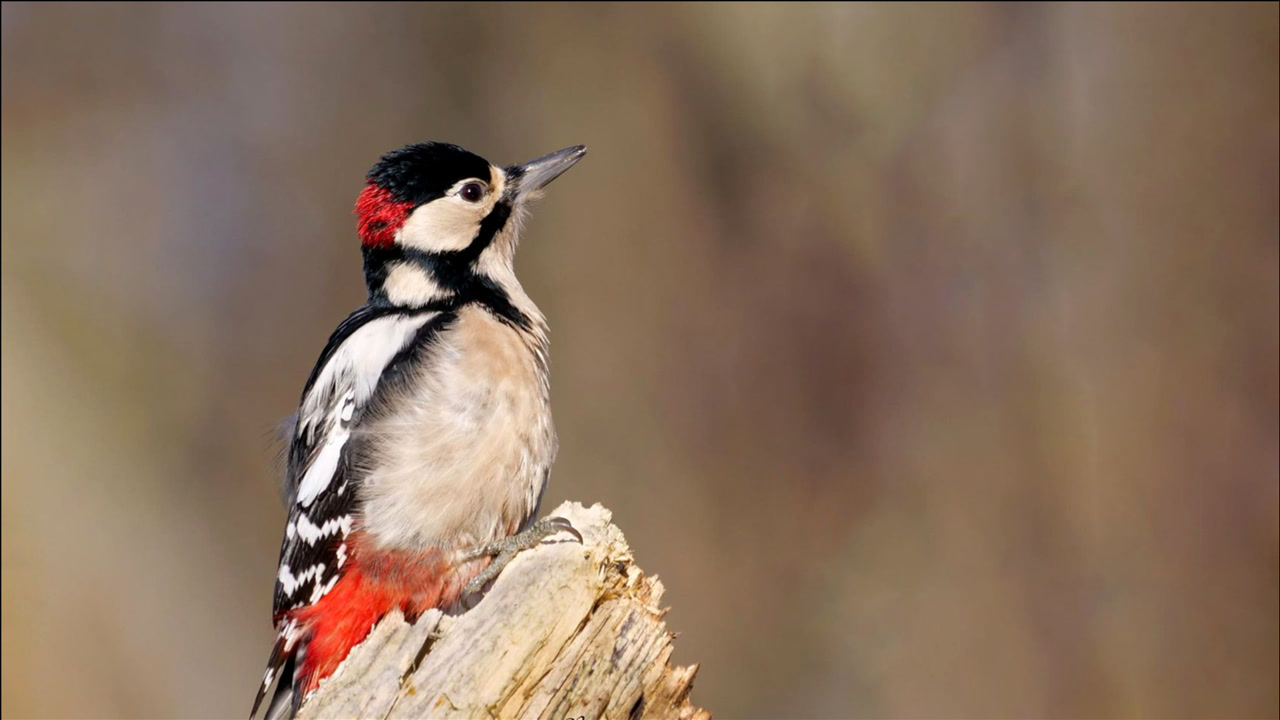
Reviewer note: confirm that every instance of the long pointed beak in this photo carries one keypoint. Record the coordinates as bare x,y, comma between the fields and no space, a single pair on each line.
537,174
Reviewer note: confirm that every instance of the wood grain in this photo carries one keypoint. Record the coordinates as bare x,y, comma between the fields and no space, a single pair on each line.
567,631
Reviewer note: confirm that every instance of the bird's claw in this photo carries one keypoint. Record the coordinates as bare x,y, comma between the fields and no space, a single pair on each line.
559,524
504,551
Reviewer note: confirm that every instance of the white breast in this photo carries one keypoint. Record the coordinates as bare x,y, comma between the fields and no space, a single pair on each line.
463,456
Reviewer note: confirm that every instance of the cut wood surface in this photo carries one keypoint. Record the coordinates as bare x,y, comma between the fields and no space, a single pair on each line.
567,631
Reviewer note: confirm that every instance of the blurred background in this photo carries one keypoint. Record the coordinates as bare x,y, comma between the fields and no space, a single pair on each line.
928,353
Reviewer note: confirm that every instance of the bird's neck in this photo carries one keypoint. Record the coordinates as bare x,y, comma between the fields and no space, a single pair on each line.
413,280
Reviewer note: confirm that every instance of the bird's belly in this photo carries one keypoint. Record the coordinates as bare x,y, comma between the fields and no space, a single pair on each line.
465,456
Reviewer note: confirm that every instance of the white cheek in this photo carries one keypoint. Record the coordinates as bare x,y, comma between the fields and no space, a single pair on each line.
443,224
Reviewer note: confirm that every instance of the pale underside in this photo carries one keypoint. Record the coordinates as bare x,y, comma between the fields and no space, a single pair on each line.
462,455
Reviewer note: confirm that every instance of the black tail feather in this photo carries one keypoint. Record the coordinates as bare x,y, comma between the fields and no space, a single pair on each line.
279,671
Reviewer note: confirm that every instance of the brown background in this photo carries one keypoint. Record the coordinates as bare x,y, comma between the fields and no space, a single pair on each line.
927,353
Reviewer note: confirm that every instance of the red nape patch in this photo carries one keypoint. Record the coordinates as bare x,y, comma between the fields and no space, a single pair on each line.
375,584
379,216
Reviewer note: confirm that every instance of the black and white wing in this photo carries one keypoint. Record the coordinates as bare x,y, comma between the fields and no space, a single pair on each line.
320,489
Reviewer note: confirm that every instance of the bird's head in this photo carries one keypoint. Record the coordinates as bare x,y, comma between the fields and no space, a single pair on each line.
436,221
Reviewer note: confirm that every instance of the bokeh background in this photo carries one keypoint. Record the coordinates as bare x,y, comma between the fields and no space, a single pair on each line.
927,353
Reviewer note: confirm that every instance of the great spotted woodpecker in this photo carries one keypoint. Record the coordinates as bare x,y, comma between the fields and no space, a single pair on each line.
424,440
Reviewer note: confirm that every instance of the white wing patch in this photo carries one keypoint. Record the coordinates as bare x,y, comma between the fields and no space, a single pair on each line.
325,465
352,374
365,354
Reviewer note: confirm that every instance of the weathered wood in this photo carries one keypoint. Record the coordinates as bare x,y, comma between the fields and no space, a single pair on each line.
567,631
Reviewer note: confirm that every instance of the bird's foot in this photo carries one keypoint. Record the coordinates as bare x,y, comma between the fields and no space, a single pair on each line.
504,550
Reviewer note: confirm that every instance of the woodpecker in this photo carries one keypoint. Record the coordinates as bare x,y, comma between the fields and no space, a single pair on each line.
423,441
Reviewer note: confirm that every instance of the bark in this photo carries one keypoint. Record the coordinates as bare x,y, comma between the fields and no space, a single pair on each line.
566,632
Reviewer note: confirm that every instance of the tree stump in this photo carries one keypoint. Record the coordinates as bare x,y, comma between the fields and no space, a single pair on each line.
567,632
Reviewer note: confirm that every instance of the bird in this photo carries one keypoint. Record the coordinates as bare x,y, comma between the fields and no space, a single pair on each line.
423,440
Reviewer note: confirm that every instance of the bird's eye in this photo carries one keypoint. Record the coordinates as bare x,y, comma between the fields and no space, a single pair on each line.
473,192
